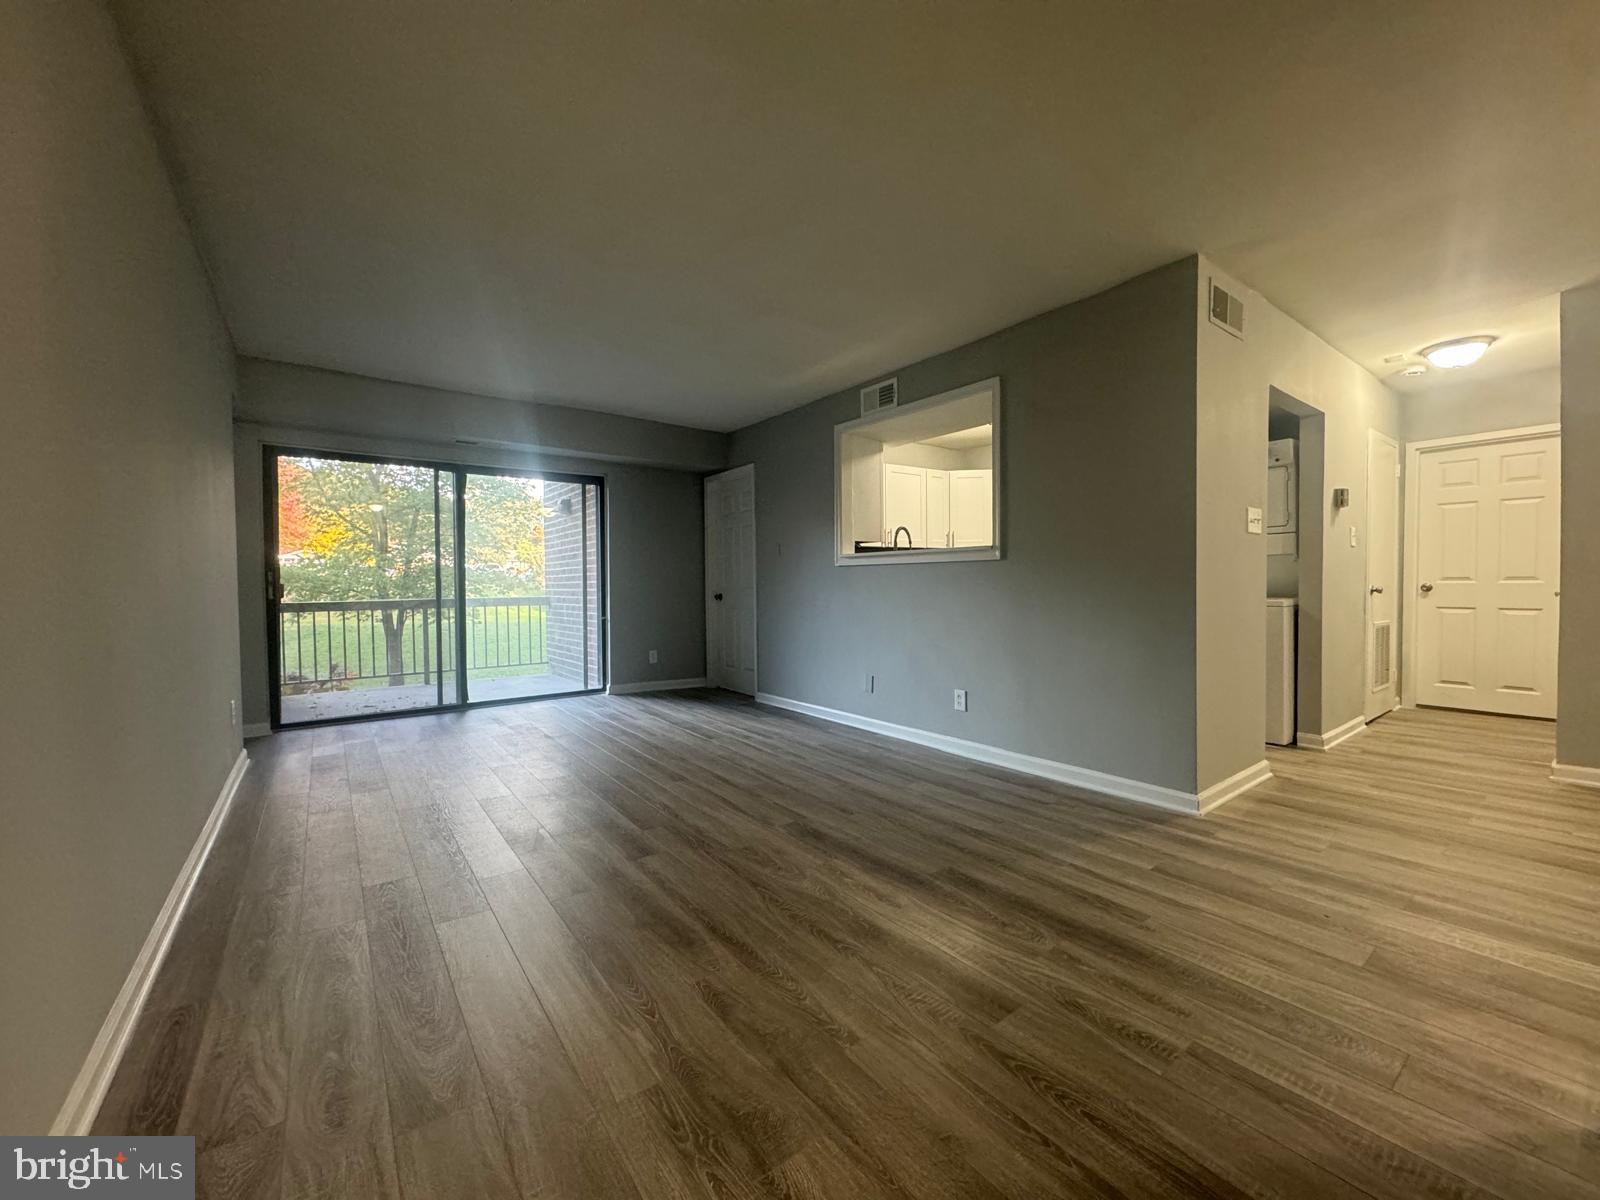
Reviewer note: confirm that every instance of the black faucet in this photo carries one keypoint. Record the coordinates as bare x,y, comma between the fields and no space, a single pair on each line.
895,540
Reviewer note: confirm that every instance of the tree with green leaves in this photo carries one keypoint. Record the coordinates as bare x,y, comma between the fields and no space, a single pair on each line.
366,531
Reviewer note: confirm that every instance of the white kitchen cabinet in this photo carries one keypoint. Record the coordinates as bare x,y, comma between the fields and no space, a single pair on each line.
938,508
941,509
971,508
905,502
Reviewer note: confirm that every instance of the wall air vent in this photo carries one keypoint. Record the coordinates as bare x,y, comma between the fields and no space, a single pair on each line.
1227,310
880,396
1382,655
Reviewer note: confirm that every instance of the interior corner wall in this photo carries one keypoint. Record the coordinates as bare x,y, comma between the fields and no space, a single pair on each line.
655,533
1578,704
1233,381
119,639
1077,645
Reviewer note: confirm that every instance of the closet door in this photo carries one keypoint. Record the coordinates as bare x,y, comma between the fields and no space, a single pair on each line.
938,508
905,502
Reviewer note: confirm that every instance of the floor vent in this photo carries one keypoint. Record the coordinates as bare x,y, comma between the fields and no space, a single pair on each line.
1227,310
1382,658
880,396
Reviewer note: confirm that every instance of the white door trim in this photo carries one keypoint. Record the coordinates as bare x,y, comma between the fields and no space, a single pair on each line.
1414,453
1374,435
705,486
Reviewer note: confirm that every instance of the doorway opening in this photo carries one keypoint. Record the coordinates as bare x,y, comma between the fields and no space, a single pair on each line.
402,587
1294,533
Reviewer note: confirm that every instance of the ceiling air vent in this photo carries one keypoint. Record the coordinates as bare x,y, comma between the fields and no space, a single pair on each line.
880,396
1227,310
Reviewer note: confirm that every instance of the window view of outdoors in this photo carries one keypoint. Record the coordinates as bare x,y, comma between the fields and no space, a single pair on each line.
367,618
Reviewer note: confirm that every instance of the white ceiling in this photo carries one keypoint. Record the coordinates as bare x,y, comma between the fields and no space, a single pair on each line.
710,212
964,439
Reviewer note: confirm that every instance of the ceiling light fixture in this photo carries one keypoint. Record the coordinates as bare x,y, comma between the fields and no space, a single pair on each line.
1458,352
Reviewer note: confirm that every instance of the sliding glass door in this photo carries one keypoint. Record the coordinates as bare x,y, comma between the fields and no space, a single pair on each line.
532,583
373,608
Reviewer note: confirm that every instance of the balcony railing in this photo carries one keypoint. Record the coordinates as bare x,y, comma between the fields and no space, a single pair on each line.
332,645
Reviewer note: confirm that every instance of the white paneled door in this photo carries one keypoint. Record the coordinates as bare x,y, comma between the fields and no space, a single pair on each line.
1383,573
731,580
1488,576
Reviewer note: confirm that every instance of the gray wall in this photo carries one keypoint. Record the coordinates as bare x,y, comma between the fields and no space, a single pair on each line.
655,526
334,402
1237,380
1474,406
1578,709
119,635
1078,644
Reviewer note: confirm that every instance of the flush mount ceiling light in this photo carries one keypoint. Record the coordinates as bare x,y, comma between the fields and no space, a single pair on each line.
1458,352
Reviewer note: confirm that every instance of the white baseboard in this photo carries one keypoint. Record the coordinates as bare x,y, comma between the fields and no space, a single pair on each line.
264,729
1234,785
1581,776
656,685
1046,768
1327,741
89,1089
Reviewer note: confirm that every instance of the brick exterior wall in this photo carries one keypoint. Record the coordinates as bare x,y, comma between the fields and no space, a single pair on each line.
573,593
592,626
563,577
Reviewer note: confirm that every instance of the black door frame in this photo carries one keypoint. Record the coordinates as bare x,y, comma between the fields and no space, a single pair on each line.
459,472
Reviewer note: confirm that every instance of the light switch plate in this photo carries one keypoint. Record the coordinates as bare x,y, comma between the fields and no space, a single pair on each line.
1352,535
1252,520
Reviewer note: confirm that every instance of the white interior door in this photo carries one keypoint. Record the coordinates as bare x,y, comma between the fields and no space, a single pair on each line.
1488,576
938,508
731,580
972,508
905,502
1383,572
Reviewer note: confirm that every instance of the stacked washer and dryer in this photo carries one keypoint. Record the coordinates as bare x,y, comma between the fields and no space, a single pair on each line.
1282,530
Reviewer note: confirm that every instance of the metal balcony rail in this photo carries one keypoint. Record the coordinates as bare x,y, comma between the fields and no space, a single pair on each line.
331,645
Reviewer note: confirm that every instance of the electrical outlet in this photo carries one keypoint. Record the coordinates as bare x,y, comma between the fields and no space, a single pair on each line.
1252,520
869,683
233,713
654,657
961,699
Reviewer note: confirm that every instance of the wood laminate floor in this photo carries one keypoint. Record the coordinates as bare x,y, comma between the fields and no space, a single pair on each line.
684,946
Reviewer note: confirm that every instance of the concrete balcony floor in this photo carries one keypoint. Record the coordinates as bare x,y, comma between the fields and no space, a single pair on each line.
368,701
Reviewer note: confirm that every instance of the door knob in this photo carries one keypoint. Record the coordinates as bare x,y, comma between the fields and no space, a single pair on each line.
1376,591
1427,587
718,596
